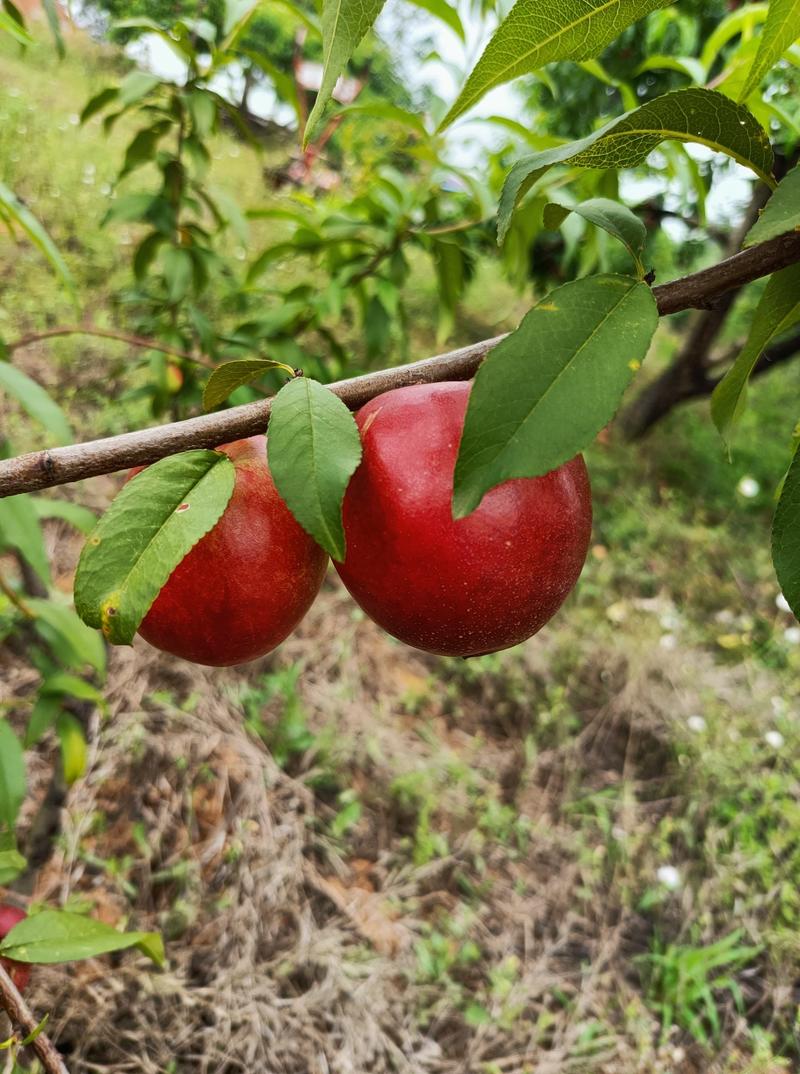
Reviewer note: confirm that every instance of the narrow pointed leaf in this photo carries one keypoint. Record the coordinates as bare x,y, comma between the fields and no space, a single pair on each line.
152,524
54,22
314,447
12,775
538,32
781,213
20,529
689,115
544,392
344,23
611,216
36,401
232,375
12,864
73,747
58,936
445,13
13,207
777,311
786,537
80,517
781,30
72,642
15,29
98,102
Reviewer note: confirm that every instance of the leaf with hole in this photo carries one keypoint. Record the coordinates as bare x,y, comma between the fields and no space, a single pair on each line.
538,32
155,520
777,311
53,936
550,386
313,447
617,219
689,115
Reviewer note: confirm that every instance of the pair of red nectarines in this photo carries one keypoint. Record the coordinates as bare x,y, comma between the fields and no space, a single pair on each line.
452,587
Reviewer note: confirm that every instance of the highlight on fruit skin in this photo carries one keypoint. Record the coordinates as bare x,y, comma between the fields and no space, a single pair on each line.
19,972
455,588
247,583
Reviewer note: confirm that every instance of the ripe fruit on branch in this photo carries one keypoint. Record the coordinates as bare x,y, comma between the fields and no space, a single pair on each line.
19,972
456,588
247,584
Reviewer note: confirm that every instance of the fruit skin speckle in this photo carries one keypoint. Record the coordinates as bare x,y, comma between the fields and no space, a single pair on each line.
455,588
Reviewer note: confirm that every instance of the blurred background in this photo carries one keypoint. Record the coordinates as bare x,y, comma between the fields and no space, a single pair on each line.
582,854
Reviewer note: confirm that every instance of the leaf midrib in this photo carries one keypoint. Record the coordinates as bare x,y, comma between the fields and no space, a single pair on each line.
314,472
537,403
467,102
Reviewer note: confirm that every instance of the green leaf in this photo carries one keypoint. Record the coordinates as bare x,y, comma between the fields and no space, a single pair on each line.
781,29
20,529
689,115
98,102
135,86
178,272
13,207
155,520
549,387
142,147
685,65
73,747
203,111
314,447
53,936
786,537
12,775
54,22
43,715
10,26
232,375
443,11
73,643
36,401
777,311
60,684
344,23
12,864
612,216
781,213
538,32
80,517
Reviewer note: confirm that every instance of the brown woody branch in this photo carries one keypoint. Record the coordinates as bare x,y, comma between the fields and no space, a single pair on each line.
105,333
59,466
23,1018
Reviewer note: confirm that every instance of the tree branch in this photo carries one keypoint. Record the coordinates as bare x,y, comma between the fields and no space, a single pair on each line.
59,466
105,333
21,1016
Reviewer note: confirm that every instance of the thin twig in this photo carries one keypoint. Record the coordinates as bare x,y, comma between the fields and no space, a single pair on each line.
21,1016
59,466
105,333
15,599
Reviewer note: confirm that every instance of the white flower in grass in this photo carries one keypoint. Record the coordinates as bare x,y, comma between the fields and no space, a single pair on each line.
696,723
792,635
74,119
774,739
668,641
782,603
669,876
748,487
